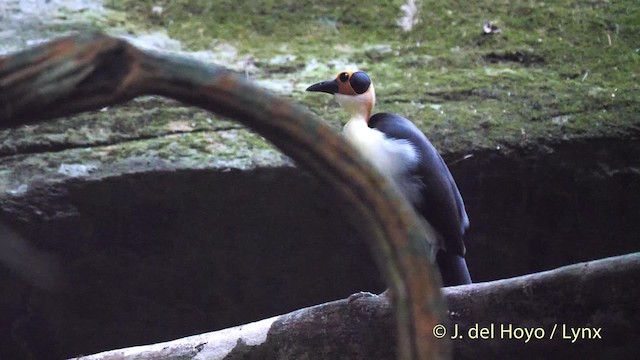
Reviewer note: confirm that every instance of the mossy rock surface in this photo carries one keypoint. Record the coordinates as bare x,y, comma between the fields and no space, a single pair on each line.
555,71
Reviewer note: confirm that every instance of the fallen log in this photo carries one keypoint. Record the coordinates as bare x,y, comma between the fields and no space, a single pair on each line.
587,311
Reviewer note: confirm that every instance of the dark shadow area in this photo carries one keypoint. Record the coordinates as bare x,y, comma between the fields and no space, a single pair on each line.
532,211
157,256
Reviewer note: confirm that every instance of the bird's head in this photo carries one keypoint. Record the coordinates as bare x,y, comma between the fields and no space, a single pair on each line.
353,90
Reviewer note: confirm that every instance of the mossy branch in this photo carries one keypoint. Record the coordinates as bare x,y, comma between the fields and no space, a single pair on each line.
91,71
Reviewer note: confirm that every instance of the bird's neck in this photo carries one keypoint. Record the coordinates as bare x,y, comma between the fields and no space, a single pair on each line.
359,117
358,107
358,111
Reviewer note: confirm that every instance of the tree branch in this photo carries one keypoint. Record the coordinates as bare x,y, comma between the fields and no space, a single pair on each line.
600,294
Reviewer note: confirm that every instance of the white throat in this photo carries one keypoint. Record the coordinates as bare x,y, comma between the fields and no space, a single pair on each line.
358,106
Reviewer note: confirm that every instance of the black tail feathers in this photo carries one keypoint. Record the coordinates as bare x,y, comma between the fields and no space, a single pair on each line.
453,268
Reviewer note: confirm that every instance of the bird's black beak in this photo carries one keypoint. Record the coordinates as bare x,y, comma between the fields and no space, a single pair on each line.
329,87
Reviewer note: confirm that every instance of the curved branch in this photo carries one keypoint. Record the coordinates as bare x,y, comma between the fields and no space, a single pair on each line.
91,71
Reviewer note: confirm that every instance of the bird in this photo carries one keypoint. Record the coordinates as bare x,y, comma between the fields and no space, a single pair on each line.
402,153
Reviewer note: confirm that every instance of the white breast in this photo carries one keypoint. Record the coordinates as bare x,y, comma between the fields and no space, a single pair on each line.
394,158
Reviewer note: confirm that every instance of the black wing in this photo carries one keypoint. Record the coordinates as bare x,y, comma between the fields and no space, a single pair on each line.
442,204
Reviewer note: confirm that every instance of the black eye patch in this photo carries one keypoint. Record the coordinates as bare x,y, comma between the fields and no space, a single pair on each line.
360,82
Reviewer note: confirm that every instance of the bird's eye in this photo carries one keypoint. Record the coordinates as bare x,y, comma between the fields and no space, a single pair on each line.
344,77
